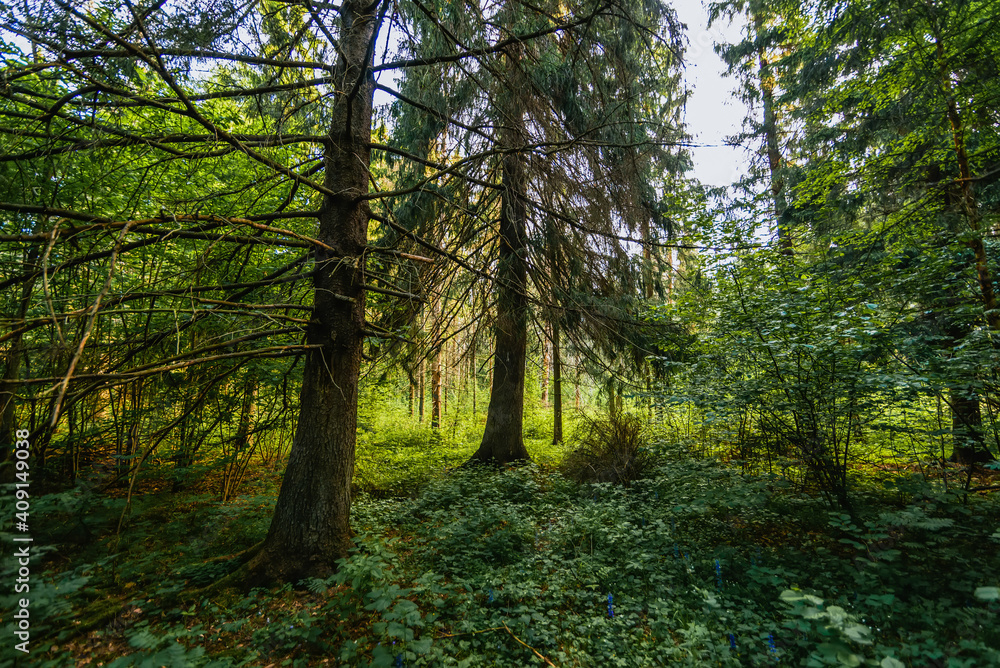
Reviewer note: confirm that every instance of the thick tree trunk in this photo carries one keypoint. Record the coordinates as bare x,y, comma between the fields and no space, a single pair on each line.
503,442
966,417
310,529
967,428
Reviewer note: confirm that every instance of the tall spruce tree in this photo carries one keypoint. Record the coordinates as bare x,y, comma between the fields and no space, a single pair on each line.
562,152
191,132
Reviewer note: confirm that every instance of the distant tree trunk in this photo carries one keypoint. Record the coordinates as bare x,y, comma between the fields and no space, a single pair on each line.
310,529
647,373
11,374
576,385
545,371
447,379
503,441
473,374
236,468
771,143
420,384
436,389
435,360
669,287
557,412
647,259
614,398
132,409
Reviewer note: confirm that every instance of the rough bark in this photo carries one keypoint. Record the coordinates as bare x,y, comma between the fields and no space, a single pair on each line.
503,442
310,529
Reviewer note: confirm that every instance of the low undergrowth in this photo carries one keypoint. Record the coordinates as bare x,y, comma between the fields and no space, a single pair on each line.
695,565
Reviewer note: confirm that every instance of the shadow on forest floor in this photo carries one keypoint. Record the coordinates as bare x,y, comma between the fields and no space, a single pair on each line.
697,564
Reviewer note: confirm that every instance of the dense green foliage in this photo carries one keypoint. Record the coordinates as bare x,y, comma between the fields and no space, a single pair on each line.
781,399
695,564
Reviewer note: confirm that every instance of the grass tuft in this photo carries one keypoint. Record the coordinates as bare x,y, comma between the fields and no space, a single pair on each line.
613,449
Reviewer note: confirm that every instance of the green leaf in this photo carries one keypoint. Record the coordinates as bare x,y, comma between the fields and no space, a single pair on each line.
144,640
421,646
858,633
988,593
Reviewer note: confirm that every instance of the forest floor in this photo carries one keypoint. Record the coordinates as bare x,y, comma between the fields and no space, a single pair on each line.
697,564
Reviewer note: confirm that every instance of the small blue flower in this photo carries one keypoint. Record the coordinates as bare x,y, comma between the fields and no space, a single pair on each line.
399,660
490,599
770,643
611,610
732,641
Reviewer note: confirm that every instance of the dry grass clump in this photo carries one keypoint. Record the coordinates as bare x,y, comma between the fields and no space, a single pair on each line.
613,449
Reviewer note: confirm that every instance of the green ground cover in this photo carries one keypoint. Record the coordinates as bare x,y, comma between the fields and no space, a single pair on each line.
696,564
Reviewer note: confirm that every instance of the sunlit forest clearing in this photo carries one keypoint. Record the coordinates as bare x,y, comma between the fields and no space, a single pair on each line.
400,333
